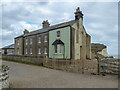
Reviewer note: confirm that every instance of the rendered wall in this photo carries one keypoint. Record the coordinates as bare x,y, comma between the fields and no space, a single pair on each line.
79,34
64,37
88,46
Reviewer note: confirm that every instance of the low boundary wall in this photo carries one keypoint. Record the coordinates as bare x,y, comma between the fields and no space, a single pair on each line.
81,66
29,59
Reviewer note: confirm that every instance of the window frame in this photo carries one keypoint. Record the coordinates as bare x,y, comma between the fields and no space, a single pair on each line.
39,50
26,41
31,40
61,49
39,39
45,50
18,52
26,51
58,34
55,49
45,38
18,42
31,51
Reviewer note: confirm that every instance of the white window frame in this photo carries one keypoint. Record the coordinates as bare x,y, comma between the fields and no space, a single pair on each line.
31,40
61,49
39,39
30,50
18,51
45,50
45,38
55,48
39,50
26,51
26,41
58,35
18,42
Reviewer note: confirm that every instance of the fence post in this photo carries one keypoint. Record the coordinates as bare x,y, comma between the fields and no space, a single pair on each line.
83,66
66,63
78,65
54,62
98,66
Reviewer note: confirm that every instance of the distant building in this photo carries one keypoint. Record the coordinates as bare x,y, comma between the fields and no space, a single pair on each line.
68,39
99,50
9,50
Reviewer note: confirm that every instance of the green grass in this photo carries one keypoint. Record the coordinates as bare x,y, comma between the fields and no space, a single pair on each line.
23,62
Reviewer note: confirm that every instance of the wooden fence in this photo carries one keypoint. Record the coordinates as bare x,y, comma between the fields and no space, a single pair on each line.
79,66
109,65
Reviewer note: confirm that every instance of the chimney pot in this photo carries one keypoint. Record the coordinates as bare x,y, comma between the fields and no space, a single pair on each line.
46,24
78,14
26,31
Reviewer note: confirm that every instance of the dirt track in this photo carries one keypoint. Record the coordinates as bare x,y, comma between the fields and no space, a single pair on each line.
28,76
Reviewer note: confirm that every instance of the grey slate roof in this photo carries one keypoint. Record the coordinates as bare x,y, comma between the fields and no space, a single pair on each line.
9,47
51,28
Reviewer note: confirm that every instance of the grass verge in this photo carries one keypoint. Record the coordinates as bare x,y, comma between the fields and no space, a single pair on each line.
23,62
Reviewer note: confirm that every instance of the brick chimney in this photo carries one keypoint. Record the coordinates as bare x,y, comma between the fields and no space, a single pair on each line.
26,31
78,14
46,24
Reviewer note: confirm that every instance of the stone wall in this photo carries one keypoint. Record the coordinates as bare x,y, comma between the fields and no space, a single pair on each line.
19,47
4,77
77,66
30,59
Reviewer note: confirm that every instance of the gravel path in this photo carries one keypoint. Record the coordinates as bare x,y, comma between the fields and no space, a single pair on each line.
28,76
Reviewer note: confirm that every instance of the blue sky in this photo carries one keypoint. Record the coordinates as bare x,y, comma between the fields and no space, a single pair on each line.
100,19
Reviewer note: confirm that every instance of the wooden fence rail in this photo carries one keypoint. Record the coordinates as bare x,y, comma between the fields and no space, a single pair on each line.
109,65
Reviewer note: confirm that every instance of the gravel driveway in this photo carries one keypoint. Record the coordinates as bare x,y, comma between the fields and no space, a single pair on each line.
29,76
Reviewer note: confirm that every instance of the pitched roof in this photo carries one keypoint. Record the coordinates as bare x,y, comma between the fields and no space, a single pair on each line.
51,28
9,47
19,36
57,42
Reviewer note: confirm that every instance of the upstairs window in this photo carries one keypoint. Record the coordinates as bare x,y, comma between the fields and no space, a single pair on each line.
45,38
39,39
30,40
18,42
58,33
26,41
39,51
45,50
30,50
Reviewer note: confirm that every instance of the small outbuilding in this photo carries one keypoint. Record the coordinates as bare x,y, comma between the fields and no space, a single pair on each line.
9,50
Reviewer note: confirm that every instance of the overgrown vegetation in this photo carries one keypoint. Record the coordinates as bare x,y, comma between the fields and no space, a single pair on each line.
96,47
23,62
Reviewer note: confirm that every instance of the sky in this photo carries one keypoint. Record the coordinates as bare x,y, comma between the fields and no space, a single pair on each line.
100,19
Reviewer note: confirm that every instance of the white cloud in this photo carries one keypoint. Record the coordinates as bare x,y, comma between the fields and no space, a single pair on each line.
28,26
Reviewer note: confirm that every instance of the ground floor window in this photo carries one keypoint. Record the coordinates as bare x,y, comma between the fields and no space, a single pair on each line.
26,52
30,50
45,50
61,49
39,51
18,51
55,48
